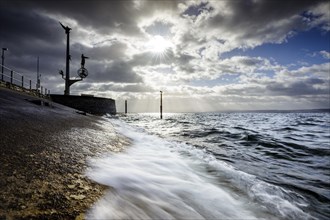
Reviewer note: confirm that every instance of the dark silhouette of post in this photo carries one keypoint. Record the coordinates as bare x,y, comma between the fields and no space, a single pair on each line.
67,68
161,104
3,61
125,106
38,75
83,60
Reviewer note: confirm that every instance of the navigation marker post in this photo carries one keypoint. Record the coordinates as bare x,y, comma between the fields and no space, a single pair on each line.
161,104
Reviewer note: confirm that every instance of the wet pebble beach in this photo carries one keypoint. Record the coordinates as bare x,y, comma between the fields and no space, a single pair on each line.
44,152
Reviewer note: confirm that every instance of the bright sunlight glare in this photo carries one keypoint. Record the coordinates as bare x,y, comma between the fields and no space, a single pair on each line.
158,44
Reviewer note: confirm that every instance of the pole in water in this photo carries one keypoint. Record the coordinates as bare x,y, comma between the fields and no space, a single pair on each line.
125,106
161,104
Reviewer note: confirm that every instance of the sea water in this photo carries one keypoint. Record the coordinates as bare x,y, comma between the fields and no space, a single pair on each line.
217,166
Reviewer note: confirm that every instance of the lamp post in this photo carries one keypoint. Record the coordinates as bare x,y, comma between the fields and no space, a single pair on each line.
82,72
3,61
67,68
161,104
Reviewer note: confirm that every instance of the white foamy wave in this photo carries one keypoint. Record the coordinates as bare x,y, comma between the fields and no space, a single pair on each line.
158,179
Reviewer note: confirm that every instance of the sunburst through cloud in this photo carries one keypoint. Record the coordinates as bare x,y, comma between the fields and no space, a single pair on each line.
160,47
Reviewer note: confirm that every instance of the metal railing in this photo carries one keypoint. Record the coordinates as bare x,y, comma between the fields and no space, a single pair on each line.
17,81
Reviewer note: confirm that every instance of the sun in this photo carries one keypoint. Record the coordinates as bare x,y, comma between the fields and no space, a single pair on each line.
158,45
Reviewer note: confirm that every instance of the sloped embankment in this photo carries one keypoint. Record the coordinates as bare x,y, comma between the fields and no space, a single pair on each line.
44,149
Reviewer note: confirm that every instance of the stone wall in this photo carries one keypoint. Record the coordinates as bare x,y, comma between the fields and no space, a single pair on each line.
89,104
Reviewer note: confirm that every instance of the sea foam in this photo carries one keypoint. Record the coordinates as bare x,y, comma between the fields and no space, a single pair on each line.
159,179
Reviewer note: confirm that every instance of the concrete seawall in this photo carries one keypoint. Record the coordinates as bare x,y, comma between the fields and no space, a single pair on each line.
89,104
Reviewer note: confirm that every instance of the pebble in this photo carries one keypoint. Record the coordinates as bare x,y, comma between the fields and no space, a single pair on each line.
77,197
71,186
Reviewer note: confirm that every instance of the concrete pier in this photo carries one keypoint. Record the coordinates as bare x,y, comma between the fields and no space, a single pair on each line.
88,104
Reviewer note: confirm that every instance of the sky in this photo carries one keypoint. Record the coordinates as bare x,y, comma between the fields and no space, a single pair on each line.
205,56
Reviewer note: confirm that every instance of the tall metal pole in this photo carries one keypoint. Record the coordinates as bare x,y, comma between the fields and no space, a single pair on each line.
161,104
67,69
125,106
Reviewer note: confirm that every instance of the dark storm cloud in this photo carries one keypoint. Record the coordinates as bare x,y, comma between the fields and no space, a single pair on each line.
101,15
246,14
102,52
118,71
100,69
22,25
28,34
104,16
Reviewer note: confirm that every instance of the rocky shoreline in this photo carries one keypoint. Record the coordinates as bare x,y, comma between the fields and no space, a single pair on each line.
44,152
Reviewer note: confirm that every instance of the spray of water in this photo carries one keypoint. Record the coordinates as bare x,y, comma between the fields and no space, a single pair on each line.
159,179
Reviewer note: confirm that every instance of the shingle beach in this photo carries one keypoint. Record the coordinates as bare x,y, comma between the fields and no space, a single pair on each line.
44,152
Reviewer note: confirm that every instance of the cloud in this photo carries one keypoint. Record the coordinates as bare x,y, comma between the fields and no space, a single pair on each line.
106,17
325,54
116,71
115,50
27,35
310,86
134,88
115,35
19,25
319,15
247,24
103,16
302,83
320,70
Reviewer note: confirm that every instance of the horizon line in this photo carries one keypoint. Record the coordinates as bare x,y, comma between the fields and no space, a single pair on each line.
243,111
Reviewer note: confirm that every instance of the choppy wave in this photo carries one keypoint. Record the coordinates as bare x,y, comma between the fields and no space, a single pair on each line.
215,167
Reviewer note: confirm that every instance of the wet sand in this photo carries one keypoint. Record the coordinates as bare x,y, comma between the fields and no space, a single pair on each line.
44,152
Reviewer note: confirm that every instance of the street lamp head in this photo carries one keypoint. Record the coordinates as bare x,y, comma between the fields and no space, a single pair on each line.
4,48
